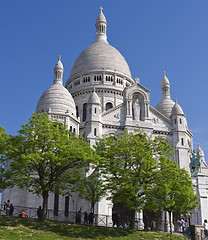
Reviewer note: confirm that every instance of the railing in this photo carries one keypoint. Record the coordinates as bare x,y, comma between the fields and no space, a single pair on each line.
99,219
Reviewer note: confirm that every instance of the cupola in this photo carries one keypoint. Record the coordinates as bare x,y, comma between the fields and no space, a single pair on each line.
177,110
94,99
166,104
101,26
58,71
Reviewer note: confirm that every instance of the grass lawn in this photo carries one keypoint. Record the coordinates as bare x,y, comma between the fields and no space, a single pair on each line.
28,228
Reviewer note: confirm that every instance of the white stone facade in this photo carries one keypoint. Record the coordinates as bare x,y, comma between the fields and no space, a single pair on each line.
103,98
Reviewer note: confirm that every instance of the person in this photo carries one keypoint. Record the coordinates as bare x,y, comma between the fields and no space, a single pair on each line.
7,207
85,218
4,207
183,225
78,217
91,216
22,214
205,224
179,225
40,212
154,225
118,218
114,218
11,210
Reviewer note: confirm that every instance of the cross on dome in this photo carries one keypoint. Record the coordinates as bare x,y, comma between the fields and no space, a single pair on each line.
164,74
59,57
101,26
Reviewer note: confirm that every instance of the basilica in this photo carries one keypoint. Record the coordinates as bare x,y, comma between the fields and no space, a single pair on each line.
101,97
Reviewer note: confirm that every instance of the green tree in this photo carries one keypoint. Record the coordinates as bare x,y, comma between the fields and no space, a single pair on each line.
4,140
4,137
45,156
91,187
172,191
131,163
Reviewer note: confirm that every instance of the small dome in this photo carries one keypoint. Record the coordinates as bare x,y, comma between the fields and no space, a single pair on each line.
165,106
165,81
59,64
94,98
177,110
100,56
58,99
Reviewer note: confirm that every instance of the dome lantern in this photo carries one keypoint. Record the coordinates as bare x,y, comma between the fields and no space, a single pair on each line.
101,26
58,71
166,104
165,87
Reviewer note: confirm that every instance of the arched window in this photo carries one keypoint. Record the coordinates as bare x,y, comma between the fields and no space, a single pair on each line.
66,212
182,143
84,115
77,111
95,132
56,205
70,128
108,106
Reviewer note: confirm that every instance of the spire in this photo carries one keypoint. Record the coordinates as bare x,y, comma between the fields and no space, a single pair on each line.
58,71
101,26
165,86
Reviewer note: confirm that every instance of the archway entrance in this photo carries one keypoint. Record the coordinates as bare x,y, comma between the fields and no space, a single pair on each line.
152,220
121,215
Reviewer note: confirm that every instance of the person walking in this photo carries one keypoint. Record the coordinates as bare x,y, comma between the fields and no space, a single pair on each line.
205,224
40,212
11,210
7,207
91,217
85,218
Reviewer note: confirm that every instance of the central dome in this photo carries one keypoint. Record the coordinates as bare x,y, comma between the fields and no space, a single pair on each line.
100,56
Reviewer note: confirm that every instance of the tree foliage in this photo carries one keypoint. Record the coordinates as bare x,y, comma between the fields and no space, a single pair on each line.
172,191
131,164
90,186
140,173
4,140
45,156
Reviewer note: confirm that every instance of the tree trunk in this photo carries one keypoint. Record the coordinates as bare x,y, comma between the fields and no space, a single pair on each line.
132,220
171,232
45,203
92,207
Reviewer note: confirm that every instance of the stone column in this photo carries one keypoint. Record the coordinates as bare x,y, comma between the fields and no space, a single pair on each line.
139,218
165,222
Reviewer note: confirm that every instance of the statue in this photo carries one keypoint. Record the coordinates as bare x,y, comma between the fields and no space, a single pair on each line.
195,164
136,109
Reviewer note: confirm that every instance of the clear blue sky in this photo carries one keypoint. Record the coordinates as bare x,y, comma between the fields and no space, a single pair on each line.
153,36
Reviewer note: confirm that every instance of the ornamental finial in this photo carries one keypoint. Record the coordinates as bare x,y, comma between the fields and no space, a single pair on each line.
59,57
101,9
164,74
